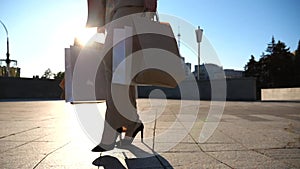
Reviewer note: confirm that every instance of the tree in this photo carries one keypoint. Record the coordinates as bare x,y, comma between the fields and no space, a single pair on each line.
265,75
297,65
47,74
277,65
252,68
59,75
271,46
297,52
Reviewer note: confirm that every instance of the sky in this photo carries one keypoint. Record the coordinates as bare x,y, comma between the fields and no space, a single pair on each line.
40,30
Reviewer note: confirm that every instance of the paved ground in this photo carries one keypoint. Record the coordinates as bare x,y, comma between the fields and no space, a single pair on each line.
46,134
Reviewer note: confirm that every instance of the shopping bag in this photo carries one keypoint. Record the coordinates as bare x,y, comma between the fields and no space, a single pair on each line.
163,49
96,17
122,67
84,76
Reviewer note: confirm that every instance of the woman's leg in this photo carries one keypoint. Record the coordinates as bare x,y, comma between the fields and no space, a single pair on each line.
120,102
120,99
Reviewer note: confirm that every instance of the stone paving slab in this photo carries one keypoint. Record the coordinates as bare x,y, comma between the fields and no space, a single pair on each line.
46,134
247,159
194,160
287,156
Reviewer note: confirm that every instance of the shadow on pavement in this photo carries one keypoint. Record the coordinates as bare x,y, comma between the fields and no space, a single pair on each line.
108,162
143,160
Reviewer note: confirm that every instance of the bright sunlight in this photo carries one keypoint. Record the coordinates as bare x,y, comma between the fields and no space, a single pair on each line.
84,35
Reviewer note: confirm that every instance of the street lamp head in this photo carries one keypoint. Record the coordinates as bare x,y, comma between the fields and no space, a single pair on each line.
7,60
7,43
199,33
4,28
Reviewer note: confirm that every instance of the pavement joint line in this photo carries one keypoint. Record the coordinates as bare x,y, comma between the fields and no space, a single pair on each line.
161,163
226,143
20,120
221,143
249,150
180,142
215,158
236,141
277,148
52,118
31,141
156,156
182,151
35,141
272,158
29,120
254,150
19,132
262,134
153,140
154,130
198,145
50,154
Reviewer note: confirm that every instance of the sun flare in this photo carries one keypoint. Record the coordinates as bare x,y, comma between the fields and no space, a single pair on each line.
85,35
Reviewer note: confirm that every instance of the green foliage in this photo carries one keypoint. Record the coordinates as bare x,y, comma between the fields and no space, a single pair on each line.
297,64
277,68
59,75
47,74
252,68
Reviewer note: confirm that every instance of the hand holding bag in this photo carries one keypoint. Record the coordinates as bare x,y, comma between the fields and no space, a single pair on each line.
159,46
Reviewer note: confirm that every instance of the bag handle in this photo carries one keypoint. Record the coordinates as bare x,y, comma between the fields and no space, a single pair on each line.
151,15
157,17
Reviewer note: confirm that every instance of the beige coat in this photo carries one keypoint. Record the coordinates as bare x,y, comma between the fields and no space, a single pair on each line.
100,12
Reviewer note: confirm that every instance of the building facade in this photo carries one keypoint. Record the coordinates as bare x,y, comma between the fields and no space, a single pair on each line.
13,71
213,71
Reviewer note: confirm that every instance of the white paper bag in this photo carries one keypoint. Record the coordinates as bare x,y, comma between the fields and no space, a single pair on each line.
122,66
84,75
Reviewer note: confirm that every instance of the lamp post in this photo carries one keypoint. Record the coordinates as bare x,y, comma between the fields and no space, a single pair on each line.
199,33
7,60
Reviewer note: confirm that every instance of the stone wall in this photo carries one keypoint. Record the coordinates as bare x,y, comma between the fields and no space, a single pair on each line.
242,89
28,88
239,89
284,94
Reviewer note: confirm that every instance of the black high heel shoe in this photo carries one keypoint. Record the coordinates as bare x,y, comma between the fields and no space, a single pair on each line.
103,147
139,127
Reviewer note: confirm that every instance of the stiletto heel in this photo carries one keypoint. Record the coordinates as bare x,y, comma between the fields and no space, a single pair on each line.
142,135
103,147
129,138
